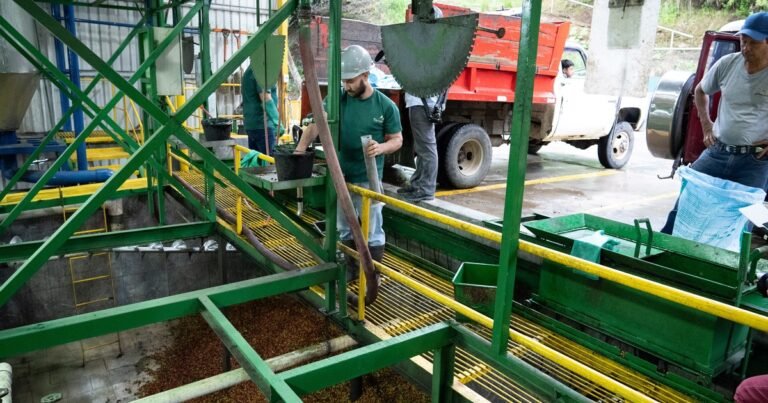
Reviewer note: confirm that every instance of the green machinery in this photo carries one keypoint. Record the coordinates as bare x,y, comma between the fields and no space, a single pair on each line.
150,158
597,312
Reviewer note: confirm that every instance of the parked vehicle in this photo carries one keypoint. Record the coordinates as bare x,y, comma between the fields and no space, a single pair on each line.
479,103
673,130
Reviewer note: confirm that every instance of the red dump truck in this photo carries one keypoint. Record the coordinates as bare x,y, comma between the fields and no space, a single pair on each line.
480,101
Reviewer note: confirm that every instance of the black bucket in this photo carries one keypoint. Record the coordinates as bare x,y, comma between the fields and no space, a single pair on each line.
293,166
217,129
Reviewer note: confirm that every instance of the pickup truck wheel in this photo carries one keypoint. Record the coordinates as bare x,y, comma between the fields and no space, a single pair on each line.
533,148
614,150
465,156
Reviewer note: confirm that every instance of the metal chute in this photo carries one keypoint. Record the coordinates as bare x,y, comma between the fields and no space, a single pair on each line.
427,55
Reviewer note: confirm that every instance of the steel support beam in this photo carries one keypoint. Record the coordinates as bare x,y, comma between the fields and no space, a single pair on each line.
95,242
518,154
442,373
257,369
340,368
14,342
121,138
155,142
66,115
192,104
101,67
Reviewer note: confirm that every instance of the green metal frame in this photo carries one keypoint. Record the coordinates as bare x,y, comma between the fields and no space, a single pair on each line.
38,336
96,242
441,339
518,152
343,367
153,143
9,36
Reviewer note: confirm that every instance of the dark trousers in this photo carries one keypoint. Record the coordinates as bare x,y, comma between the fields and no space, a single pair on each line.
424,179
257,140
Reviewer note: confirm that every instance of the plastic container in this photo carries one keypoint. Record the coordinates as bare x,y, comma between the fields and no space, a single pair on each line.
474,285
217,129
293,166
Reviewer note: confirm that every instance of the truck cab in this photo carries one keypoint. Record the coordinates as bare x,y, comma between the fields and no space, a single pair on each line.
583,119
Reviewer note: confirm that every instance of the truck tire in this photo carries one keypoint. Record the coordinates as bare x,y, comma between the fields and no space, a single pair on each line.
465,156
534,148
614,150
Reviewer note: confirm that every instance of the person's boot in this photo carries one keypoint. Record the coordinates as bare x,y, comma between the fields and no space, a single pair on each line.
351,263
377,254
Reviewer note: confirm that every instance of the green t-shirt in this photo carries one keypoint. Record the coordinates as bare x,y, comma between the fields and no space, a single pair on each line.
376,115
253,111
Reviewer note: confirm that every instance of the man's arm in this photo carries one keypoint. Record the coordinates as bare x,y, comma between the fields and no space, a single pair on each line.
392,142
309,135
701,99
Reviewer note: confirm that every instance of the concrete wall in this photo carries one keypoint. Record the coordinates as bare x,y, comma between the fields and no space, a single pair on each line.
133,277
621,48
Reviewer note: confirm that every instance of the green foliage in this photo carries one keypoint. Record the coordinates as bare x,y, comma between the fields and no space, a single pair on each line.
668,13
392,12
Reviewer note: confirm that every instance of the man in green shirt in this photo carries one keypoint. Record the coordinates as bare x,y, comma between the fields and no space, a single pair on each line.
364,111
254,100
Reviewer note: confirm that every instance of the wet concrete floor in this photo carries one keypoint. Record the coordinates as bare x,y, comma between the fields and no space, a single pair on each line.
565,180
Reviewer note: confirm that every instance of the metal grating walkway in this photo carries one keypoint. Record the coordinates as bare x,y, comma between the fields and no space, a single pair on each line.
399,310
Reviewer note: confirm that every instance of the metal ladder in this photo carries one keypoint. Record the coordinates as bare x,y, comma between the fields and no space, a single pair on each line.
93,271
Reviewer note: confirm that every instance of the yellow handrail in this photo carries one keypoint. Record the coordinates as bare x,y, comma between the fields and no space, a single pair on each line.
666,292
365,223
533,344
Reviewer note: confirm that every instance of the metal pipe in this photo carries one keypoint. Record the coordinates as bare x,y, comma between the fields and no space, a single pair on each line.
681,297
67,178
228,379
313,89
6,381
531,343
62,65
74,76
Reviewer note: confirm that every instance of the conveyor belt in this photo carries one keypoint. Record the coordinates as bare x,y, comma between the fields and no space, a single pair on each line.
400,310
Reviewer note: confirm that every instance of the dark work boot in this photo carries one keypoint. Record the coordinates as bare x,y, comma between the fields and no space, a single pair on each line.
353,270
377,253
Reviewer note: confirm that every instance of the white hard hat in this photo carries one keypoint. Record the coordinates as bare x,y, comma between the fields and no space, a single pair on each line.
355,60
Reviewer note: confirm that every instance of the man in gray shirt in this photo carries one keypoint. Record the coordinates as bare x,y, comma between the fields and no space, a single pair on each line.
737,141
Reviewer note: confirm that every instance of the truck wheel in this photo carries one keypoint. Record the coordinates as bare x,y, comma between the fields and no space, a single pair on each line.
465,156
614,150
534,148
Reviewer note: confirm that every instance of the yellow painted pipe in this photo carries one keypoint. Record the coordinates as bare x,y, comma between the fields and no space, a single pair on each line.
365,222
265,157
685,298
169,159
535,346
239,205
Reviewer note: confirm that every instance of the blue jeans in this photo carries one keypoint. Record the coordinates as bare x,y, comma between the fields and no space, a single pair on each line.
745,169
256,140
375,230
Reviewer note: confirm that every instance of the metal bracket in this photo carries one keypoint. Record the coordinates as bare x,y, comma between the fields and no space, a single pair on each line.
638,242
